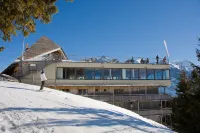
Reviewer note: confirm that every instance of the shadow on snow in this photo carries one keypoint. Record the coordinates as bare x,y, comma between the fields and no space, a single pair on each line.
89,117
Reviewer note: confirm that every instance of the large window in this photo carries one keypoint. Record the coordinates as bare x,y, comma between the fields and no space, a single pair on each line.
80,73
116,74
98,73
158,74
82,91
142,73
126,73
89,73
70,73
107,74
150,74
59,73
135,74
166,74
112,74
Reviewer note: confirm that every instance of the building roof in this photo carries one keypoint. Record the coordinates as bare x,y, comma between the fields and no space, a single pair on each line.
43,45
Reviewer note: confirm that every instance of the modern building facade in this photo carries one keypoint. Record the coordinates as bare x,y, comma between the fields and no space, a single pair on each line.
131,84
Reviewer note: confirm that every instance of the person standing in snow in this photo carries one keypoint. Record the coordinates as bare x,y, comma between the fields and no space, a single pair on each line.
43,79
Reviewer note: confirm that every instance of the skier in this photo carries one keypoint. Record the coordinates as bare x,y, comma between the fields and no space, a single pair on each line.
43,79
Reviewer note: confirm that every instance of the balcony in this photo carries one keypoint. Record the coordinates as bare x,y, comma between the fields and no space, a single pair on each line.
148,112
125,98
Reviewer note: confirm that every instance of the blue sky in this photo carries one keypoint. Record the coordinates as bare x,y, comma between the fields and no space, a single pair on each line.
118,28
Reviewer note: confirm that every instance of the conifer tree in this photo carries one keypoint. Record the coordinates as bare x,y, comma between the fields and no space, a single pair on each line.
180,104
186,106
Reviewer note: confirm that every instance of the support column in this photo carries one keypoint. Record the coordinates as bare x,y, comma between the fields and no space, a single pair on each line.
138,106
100,93
113,96
94,91
146,93
130,93
33,79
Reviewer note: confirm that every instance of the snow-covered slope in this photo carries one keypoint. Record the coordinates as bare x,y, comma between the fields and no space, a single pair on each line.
25,110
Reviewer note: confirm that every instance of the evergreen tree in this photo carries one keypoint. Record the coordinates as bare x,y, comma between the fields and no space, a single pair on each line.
180,104
186,106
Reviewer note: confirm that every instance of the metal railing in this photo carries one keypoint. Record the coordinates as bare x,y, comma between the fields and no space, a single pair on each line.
148,112
116,98
131,60
26,69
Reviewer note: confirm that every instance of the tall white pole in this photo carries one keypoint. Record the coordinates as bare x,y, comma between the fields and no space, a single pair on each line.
165,43
23,48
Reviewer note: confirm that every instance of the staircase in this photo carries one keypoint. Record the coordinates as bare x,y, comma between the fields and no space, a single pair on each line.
38,66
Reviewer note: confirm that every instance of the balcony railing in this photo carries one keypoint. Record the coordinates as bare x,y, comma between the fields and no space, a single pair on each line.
116,98
153,112
131,60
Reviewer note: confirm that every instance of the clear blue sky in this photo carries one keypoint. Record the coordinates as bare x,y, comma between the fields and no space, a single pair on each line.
119,28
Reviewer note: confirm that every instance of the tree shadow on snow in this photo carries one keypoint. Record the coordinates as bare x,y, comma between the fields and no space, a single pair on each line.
86,117
18,88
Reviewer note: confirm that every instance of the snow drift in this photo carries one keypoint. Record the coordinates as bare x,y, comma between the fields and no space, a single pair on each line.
25,110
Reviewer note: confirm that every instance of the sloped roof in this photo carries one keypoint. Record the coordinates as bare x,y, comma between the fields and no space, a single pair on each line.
43,45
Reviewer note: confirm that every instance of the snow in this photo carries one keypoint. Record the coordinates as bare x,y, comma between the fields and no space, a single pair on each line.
174,65
23,109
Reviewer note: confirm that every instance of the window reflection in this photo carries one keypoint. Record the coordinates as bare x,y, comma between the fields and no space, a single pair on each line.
80,73
134,73
150,73
89,73
142,74
112,74
69,73
116,74
107,74
126,73
166,74
98,73
158,74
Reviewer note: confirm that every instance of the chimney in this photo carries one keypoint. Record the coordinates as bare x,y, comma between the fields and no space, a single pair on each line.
26,46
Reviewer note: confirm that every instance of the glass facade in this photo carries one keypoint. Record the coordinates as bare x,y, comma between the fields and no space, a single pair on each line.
134,73
107,74
150,74
166,74
98,73
126,74
80,73
116,74
142,73
158,74
89,73
112,74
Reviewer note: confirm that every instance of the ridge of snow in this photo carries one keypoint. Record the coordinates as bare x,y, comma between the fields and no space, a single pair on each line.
24,109
174,65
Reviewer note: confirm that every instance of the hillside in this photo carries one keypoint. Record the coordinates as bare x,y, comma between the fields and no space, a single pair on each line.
25,110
